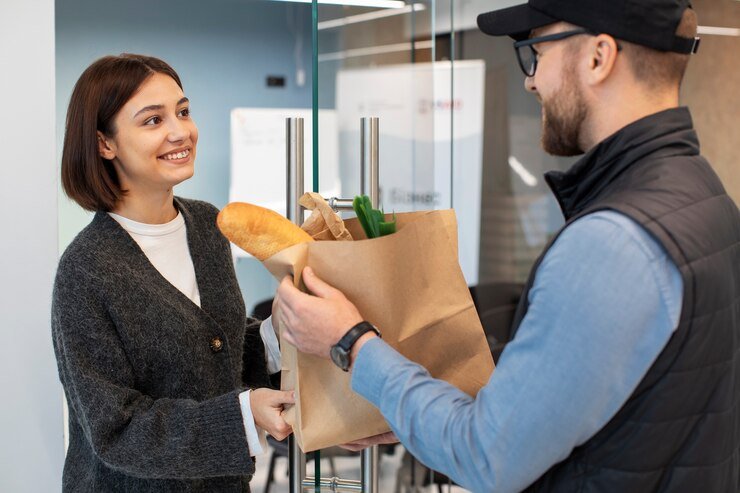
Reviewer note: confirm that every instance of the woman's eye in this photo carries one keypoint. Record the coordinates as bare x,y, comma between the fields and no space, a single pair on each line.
185,112
153,120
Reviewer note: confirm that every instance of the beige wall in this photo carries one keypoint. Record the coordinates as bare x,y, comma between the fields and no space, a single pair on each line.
712,90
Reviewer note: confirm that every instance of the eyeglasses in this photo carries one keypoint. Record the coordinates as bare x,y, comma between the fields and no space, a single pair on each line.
527,55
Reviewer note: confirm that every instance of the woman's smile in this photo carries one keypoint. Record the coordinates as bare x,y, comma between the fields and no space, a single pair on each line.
178,156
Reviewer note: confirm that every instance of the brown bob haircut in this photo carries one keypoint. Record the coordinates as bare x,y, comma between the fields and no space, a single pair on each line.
101,91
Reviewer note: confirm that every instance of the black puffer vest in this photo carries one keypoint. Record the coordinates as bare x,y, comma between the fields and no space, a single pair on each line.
680,429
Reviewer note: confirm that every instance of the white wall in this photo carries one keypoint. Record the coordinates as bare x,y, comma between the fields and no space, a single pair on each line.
31,448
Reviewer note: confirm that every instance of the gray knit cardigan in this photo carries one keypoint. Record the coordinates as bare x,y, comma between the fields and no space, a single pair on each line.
153,396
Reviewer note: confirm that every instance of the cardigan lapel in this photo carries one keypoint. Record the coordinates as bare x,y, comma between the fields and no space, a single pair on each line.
206,261
120,240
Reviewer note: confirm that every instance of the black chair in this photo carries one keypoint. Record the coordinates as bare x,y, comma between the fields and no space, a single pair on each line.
412,476
263,309
496,305
279,449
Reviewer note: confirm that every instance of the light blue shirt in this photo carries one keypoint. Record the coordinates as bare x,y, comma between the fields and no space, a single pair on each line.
605,301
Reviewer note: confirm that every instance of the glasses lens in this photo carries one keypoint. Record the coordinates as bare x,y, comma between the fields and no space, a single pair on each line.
527,59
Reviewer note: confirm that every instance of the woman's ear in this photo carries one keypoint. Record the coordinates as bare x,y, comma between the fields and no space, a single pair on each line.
105,148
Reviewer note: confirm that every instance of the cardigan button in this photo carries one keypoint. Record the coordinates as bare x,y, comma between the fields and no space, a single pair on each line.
216,344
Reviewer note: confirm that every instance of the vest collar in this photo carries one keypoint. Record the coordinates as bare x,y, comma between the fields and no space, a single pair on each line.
667,133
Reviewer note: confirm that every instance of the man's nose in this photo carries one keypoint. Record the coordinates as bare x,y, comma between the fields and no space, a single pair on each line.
529,84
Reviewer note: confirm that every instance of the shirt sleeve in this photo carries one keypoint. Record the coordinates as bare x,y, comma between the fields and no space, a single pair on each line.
255,435
272,346
605,301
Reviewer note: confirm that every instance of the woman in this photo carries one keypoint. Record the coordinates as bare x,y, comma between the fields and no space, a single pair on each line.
154,348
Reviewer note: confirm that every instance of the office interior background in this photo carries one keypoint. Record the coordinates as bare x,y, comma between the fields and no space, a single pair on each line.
254,57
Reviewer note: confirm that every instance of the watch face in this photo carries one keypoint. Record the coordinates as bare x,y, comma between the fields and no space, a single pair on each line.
340,357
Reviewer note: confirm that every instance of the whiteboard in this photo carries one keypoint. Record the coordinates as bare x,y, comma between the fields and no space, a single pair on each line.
431,140
258,156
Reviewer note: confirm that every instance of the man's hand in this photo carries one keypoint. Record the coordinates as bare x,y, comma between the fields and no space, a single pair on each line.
313,324
274,315
364,443
267,410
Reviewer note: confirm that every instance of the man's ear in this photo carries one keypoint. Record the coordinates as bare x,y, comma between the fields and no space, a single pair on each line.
106,148
602,57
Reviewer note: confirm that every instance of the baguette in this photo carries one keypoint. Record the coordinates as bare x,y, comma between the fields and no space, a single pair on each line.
258,231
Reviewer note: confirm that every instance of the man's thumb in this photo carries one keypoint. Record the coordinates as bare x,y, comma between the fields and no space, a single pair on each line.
317,286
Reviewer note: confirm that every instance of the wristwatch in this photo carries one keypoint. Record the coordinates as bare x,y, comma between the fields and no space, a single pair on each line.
341,350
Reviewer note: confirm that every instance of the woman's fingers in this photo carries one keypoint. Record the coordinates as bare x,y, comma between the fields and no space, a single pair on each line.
278,398
267,409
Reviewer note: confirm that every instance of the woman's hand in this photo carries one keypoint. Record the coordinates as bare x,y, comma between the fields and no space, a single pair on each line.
267,409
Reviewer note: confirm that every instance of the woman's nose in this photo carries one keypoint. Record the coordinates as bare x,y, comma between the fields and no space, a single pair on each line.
179,130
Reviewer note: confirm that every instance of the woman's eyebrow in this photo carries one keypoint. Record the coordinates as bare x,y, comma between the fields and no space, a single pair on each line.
154,107
151,107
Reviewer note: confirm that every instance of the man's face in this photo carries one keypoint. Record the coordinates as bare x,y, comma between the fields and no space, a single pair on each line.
557,86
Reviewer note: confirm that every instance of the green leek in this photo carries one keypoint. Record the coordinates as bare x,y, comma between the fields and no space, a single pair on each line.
372,220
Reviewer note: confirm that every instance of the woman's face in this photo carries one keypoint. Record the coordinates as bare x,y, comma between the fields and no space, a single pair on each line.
153,148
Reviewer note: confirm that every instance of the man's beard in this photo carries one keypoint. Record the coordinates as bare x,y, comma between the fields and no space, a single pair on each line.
563,117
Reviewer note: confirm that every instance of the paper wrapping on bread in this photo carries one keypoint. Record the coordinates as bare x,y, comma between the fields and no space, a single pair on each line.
323,224
258,231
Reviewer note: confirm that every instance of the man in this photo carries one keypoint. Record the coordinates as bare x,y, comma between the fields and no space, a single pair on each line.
624,370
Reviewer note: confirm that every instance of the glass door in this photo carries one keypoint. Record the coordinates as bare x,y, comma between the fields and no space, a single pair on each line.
391,60
396,61
379,61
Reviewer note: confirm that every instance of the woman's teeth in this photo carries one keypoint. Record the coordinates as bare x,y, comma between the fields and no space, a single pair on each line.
177,155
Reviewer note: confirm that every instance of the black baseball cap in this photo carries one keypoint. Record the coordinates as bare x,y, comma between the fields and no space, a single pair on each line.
650,23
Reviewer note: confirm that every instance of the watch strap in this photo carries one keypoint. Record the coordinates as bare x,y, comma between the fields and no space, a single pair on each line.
349,339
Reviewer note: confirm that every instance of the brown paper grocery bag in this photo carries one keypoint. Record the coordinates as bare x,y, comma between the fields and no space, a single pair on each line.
409,284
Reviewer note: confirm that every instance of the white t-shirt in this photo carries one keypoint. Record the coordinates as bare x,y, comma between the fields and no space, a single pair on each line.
166,247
